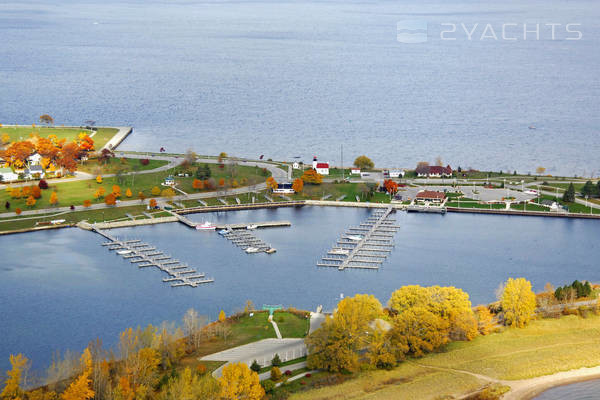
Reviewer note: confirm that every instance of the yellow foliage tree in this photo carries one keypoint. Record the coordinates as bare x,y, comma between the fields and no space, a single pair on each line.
12,389
222,316
99,193
116,190
155,191
363,162
419,330
128,192
239,382
80,388
168,192
53,198
518,302
484,319
99,179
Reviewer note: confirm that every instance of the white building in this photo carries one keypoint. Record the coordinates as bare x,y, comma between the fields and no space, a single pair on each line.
34,159
396,173
355,171
295,165
321,167
8,175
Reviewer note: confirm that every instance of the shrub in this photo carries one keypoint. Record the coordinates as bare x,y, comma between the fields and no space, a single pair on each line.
255,366
307,375
268,386
201,368
144,161
18,211
276,361
288,372
42,184
275,374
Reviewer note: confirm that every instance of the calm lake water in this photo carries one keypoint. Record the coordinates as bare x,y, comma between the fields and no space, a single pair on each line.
295,78
60,289
578,391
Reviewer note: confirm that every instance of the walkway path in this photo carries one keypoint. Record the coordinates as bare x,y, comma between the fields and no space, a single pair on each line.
275,327
291,367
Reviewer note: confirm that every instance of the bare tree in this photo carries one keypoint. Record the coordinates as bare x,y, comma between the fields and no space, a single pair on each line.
193,323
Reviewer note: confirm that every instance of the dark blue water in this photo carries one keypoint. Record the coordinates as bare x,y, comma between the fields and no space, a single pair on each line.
578,391
60,289
295,78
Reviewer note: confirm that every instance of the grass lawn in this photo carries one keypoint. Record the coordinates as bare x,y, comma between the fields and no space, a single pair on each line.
290,325
336,190
545,347
529,207
466,204
102,135
107,214
114,164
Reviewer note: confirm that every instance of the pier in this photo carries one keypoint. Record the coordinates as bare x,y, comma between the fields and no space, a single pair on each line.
236,207
145,255
247,241
365,246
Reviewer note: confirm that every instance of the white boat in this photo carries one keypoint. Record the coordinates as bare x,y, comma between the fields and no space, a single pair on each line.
223,232
339,251
57,221
207,226
123,252
252,250
355,238
251,227
271,251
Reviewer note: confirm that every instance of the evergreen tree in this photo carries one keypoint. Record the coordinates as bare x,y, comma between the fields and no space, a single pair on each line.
588,189
276,361
569,195
255,366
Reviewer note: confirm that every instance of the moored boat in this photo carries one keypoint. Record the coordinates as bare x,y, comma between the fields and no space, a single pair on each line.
252,250
206,226
123,252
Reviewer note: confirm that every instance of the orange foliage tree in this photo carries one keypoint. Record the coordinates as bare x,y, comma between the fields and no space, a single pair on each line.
198,184
87,203
30,201
36,192
68,156
80,388
99,193
298,185
390,186
312,176
271,183
116,191
152,203
110,200
221,182
16,154
18,211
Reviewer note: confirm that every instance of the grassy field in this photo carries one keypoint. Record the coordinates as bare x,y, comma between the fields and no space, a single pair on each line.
106,214
114,164
102,135
545,347
75,192
336,190
467,204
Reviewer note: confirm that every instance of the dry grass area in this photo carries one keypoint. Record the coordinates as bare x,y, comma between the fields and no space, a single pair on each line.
545,347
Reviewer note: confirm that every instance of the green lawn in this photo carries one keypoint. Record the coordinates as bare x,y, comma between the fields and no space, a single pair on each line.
19,133
336,190
114,164
290,325
466,204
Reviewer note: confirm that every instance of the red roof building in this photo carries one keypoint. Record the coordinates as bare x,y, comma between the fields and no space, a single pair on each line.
430,195
322,165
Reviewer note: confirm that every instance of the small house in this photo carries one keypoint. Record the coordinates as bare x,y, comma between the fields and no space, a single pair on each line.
8,175
284,188
355,171
550,204
434,171
295,165
430,196
322,168
34,172
396,173
169,181
34,159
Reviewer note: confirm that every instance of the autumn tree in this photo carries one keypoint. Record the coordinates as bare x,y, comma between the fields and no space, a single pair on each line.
298,185
222,316
198,184
363,162
110,200
128,192
53,199
30,201
99,179
87,203
190,386
80,388
68,156
36,192
12,385
16,153
390,186
239,382
540,170
18,211
221,182
419,331
141,196
46,119
152,203
336,344
312,176
155,191
484,318
518,302
271,183
168,192
275,374
116,190
99,193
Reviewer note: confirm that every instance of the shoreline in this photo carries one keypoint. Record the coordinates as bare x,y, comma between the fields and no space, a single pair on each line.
529,389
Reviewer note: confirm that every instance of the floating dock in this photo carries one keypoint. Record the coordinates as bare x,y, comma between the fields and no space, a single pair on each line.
236,207
365,246
145,255
247,241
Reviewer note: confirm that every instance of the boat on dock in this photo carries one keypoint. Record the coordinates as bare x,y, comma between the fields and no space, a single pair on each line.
206,226
223,232
252,250
123,252
356,238
340,251
251,227
270,251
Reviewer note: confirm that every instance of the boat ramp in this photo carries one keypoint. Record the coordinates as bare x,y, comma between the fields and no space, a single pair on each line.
145,255
365,246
